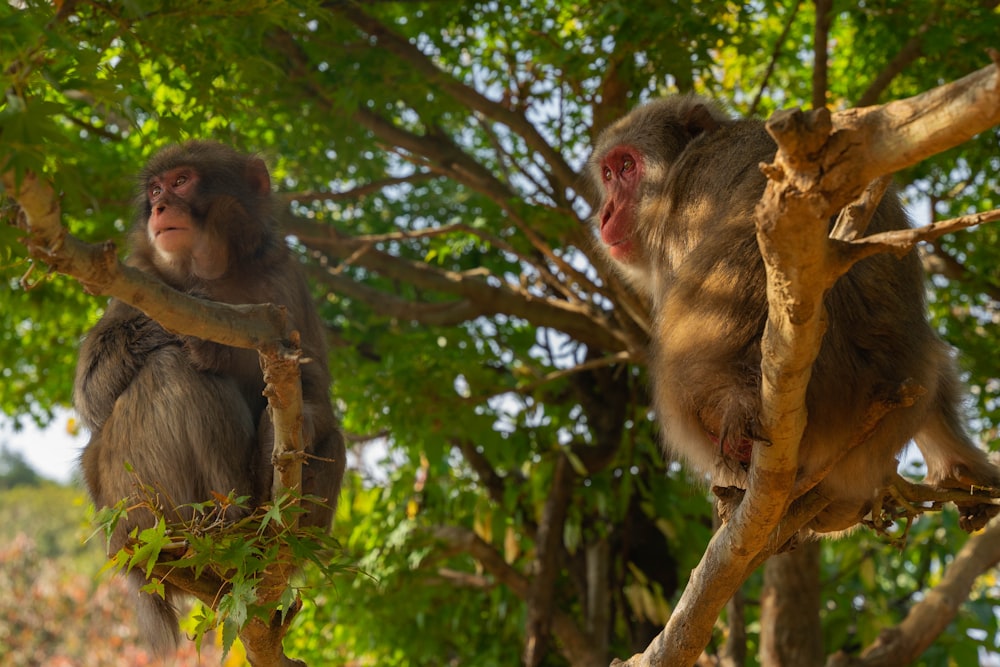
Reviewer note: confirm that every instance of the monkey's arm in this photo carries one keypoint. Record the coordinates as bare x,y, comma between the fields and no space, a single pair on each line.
111,356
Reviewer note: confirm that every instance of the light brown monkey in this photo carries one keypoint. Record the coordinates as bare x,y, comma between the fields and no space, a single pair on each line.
679,182
186,414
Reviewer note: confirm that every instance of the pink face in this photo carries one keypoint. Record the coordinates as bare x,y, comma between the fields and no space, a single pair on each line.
621,173
170,227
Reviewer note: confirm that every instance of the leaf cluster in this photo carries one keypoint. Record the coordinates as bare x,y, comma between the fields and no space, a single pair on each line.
229,546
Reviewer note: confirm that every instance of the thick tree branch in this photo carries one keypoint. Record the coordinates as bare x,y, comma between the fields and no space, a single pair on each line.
853,220
821,60
790,632
867,143
98,269
548,557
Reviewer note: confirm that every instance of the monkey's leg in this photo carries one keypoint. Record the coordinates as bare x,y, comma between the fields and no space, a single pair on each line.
184,433
322,469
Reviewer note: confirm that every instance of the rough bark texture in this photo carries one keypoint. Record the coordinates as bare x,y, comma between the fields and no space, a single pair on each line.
790,633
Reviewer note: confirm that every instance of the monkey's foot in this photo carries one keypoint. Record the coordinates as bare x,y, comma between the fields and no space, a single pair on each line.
976,506
728,498
974,517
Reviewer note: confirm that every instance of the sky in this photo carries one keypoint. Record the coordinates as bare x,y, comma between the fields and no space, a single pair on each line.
52,452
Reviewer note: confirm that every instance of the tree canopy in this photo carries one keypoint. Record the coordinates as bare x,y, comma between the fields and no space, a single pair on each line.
489,369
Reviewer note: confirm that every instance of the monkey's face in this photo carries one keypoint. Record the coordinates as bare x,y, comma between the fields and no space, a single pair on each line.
170,226
621,172
181,245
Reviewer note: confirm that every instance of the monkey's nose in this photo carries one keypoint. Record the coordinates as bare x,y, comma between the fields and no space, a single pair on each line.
609,210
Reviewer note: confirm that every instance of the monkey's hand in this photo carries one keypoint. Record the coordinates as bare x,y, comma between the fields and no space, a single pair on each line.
208,356
111,356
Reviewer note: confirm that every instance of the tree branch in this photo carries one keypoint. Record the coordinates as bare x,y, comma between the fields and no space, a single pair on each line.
775,53
901,241
463,94
548,552
576,646
882,140
821,61
494,483
98,269
906,56
938,260
357,192
926,620
580,320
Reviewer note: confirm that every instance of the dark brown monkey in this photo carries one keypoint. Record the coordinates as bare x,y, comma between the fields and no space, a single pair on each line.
679,182
186,414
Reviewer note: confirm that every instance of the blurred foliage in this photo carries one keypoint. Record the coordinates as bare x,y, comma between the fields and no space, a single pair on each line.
15,470
54,612
471,144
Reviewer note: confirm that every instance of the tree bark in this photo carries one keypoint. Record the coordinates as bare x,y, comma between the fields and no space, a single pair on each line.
790,631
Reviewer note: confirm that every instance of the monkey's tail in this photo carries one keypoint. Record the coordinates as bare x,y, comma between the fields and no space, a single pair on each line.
157,617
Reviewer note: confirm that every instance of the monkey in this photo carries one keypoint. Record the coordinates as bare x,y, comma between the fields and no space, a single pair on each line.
678,183
188,415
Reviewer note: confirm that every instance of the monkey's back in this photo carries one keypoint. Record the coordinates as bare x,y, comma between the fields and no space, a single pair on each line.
710,312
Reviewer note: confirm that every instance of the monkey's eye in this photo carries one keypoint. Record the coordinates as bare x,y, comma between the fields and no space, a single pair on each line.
607,173
628,164
181,180
155,190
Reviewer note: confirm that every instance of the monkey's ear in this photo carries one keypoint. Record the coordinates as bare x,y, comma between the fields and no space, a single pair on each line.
700,119
257,177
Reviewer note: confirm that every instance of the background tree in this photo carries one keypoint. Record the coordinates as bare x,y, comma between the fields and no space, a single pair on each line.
510,497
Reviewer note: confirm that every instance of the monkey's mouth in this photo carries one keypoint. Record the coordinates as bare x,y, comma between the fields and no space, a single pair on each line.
622,250
160,227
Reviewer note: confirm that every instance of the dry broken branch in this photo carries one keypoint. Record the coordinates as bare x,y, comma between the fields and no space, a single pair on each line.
901,241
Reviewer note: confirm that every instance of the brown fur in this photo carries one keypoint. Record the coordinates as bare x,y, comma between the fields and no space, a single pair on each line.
694,252
188,415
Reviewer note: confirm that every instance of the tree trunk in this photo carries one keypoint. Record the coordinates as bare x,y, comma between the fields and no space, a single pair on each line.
790,632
